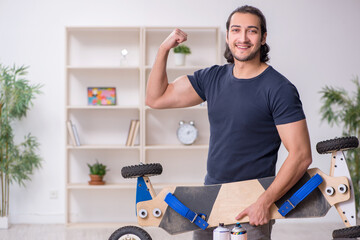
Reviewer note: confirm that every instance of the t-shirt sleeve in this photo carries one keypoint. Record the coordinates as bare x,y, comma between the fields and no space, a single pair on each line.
198,80
287,107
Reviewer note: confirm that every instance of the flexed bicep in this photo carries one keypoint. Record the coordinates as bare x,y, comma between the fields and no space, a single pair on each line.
179,93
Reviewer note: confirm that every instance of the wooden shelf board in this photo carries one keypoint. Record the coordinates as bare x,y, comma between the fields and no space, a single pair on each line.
102,28
163,185
108,147
85,186
102,67
112,225
103,107
163,28
147,108
179,67
175,147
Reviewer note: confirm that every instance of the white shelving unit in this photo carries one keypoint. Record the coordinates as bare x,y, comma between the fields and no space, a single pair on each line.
93,59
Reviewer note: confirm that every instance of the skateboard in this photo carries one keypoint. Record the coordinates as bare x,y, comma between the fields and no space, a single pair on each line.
222,202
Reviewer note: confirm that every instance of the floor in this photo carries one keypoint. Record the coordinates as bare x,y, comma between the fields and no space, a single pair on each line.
281,231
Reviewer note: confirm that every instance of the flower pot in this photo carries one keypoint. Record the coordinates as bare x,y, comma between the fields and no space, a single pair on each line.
179,59
96,180
4,222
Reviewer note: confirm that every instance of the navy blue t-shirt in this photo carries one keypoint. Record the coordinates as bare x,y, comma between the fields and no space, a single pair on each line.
243,114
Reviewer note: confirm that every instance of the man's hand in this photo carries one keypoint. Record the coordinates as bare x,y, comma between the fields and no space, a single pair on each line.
173,40
258,213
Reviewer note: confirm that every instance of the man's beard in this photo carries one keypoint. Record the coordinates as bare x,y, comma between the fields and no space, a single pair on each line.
251,56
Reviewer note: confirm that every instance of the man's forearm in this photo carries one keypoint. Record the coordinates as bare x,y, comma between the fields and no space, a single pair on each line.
158,81
295,138
289,174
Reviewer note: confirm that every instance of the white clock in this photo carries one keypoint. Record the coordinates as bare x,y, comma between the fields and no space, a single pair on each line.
187,133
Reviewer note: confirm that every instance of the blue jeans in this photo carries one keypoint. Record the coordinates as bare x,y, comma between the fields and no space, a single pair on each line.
262,232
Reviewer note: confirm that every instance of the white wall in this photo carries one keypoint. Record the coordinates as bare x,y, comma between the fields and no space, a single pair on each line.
313,43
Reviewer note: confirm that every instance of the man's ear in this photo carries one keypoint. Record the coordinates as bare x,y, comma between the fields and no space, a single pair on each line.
263,41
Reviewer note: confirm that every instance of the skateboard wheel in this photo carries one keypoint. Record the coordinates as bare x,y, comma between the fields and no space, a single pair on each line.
134,171
157,212
342,188
130,232
143,213
330,191
337,144
349,232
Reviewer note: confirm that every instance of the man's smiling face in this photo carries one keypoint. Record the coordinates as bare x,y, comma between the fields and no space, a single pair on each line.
244,37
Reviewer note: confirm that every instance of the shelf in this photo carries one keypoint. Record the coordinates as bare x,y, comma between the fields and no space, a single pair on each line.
176,147
101,28
102,46
103,147
103,67
191,28
93,58
85,186
102,107
147,108
112,225
182,68
178,184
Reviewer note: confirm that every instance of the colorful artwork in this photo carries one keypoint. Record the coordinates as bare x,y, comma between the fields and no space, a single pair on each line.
101,96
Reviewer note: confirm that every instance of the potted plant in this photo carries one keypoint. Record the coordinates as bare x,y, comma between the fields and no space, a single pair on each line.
17,161
180,53
97,173
343,109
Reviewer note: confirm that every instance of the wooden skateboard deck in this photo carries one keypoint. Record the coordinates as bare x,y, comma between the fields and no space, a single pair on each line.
223,202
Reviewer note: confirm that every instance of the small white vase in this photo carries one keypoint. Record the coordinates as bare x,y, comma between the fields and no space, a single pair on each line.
179,59
4,222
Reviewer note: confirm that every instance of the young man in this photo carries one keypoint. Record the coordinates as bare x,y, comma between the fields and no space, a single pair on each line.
252,109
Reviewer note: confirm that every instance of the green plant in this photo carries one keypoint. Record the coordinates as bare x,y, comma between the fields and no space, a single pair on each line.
182,48
343,109
97,169
17,162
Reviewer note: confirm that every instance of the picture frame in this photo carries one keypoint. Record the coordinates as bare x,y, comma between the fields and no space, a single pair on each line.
101,96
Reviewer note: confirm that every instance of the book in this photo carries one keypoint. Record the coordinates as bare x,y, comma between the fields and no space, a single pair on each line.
135,133
71,133
76,135
131,132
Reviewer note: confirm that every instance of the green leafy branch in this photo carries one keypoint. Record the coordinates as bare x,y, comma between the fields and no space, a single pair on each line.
17,162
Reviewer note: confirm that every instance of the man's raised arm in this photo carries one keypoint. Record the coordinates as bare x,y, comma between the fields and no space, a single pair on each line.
161,94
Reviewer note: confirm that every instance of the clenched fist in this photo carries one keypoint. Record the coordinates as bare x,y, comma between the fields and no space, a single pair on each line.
174,39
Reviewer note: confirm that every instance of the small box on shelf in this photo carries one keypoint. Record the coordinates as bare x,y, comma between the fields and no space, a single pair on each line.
103,96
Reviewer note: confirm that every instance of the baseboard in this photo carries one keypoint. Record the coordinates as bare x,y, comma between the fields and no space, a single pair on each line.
38,218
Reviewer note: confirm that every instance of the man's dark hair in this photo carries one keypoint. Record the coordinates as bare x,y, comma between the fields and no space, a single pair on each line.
264,49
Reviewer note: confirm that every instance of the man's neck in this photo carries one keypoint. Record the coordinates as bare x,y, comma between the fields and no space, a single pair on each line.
248,69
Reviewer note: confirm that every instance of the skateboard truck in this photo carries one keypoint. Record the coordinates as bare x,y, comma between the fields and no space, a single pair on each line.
183,210
346,209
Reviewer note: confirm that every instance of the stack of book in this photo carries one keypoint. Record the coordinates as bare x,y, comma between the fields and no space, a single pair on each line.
73,133
133,132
